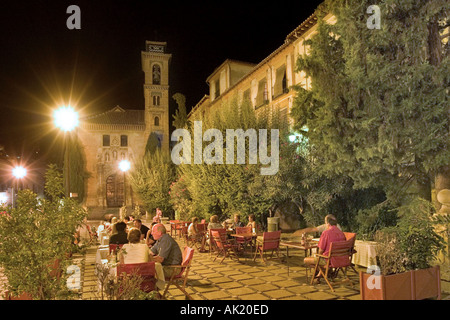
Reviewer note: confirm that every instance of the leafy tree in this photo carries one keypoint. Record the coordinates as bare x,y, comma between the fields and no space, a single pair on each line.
37,236
378,106
151,179
180,119
152,143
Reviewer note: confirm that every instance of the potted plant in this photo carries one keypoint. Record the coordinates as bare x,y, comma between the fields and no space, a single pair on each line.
405,254
36,237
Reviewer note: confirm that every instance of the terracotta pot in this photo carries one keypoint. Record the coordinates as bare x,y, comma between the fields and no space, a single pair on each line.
410,285
23,296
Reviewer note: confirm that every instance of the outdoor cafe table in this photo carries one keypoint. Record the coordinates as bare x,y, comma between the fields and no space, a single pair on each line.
102,257
366,253
309,245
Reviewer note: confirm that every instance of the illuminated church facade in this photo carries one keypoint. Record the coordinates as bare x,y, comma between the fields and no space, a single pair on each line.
122,134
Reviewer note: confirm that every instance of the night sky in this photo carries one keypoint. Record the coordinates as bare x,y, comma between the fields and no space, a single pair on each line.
43,64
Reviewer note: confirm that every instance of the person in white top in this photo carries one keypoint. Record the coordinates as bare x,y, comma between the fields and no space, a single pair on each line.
134,251
319,229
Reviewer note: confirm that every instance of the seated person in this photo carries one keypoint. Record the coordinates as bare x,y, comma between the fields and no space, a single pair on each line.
121,237
158,216
134,251
195,234
142,227
214,223
236,222
129,221
252,223
331,234
149,240
319,229
165,250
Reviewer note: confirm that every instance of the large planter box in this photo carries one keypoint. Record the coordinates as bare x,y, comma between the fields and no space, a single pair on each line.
411,285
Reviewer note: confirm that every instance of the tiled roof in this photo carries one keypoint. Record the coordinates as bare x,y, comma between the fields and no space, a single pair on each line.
117,116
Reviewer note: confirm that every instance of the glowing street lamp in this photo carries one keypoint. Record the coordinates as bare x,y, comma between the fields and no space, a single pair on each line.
18,172
66,119
124,166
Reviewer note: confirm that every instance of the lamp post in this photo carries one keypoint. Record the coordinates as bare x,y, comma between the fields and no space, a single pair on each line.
124,166
66,119
18,172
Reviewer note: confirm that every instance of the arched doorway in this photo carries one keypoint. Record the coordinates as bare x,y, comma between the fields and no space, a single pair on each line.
114,191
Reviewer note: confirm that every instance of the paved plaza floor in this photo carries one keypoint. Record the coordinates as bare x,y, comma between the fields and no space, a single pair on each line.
241,280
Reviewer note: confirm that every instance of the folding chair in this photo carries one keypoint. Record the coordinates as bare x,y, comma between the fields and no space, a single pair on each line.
270,241
351,236
144,270
212,243
225,246
244,241
338,258
179,279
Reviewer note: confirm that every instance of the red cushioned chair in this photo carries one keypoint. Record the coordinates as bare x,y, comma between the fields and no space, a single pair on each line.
179,279
225,246
270,241
145,270
338,258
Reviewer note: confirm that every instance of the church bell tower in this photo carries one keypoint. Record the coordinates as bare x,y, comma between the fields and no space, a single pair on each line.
155,64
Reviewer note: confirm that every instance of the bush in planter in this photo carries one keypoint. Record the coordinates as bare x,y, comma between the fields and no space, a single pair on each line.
36,237
405,255
413,243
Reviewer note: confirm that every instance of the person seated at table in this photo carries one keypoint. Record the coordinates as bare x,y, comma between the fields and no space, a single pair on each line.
158,216
319,229
121,236
166,250
149,240
214,222
142,227
236,222
331,234
134,251
252,223
195,234
129,222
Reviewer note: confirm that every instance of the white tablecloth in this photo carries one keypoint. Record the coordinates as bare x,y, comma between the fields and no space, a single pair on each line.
102,258
366,253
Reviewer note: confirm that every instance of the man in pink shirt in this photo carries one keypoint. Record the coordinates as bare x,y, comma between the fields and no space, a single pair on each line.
331,234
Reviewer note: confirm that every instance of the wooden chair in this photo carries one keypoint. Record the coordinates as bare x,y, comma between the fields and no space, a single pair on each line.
145,270
270,241
179,279
173,226
200,241
212,243
225,246
351,236
244,241
338,258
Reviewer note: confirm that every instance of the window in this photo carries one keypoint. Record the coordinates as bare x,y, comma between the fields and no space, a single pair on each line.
156,121
217,87
156,100
156,74
280,82
124,141
106,140
262,96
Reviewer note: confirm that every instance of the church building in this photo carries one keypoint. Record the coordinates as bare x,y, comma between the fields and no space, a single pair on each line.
121,134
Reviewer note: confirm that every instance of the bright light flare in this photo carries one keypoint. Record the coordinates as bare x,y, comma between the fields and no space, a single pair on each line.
124,165
65,118
19,172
